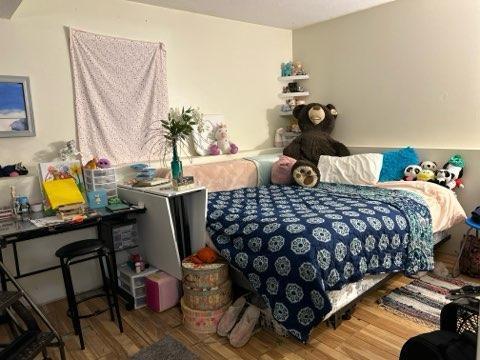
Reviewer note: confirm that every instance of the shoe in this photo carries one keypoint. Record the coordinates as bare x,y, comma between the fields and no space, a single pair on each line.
228,320
242,332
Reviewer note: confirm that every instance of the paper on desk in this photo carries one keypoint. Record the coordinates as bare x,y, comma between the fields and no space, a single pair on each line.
46,221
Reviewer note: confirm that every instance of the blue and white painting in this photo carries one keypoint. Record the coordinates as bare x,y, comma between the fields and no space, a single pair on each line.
13,110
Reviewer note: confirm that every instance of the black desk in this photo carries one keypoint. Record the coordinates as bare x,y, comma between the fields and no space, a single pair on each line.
15,231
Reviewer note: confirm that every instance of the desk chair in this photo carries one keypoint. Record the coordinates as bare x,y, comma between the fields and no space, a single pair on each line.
81,251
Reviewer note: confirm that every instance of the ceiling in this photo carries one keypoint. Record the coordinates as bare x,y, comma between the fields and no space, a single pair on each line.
8,7
288,14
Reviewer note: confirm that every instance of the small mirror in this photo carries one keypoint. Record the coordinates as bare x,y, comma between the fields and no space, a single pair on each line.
16,115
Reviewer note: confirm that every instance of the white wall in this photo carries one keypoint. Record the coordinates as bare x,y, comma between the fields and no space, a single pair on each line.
403,73
221,66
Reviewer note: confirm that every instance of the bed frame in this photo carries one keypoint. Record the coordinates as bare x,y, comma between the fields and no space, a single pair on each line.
345,312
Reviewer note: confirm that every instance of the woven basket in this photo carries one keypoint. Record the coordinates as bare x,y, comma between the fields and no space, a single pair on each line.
208,299
470,257
204,276
199,321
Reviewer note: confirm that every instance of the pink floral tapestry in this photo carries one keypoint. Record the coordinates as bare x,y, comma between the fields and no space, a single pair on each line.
120,91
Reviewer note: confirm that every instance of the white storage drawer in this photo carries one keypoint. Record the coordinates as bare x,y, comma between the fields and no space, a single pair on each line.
101,179
134,283
140,302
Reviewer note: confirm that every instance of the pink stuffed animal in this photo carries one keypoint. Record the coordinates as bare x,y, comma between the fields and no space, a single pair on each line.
222,145
282,171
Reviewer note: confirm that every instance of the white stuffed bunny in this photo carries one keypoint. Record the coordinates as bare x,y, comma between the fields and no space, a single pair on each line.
222,145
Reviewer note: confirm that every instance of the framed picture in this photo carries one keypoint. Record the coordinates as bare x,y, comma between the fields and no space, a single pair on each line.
16,115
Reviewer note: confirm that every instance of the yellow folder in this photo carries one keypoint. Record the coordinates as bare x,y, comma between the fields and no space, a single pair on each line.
62,192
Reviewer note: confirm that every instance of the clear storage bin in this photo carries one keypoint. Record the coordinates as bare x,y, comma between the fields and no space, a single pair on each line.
134,283
140,302
124,236
101,179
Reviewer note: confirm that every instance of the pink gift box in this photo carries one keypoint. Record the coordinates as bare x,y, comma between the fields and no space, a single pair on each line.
163,291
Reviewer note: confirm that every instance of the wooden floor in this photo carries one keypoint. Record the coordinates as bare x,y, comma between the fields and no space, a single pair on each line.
372,333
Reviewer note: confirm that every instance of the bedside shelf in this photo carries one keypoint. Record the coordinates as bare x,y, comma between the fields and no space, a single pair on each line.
293,78
293,95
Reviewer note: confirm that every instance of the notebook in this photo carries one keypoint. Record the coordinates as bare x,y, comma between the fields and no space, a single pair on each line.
62,192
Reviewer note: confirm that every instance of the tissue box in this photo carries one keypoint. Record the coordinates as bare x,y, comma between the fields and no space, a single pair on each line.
163,291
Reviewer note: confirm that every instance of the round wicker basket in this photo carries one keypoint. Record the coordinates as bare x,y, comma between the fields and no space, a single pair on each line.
199,321
208,299
204,276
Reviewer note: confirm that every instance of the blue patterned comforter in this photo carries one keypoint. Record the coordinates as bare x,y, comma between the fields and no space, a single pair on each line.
294,244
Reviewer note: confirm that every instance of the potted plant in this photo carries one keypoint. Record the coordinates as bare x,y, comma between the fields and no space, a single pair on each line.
175,132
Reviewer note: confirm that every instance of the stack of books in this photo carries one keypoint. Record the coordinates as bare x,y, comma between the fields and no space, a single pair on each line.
157,182
6,213
186,182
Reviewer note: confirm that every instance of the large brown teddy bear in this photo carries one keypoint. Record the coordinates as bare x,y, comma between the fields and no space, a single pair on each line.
316,122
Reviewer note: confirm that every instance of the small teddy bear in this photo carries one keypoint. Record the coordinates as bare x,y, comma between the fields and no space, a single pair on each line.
222,145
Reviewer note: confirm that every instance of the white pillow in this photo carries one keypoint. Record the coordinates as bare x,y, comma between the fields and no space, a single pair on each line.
361,169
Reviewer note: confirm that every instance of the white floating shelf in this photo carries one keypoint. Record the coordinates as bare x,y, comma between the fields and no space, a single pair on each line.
293,94
292,78
286,113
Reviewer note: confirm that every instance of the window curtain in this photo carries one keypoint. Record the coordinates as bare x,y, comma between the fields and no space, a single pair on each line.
120,92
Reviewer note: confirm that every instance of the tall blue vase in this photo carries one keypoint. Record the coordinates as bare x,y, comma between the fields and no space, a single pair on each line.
176,164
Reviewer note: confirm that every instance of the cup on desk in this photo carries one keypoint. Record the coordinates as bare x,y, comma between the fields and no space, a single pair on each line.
36,207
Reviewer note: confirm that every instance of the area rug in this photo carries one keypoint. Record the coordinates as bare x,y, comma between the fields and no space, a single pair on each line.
421,300
166,349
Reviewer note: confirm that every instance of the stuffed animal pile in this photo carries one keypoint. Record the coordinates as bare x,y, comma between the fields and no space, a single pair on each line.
449,176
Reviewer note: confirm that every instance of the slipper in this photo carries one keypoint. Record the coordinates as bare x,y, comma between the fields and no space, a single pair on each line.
242,332
228,320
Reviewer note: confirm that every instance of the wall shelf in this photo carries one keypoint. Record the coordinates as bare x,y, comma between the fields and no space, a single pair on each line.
293,95
286,113
16,178
293,78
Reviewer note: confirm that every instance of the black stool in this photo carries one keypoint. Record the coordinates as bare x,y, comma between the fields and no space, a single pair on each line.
97,250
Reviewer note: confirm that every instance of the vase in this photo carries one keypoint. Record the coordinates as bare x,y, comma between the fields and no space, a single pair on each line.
176,164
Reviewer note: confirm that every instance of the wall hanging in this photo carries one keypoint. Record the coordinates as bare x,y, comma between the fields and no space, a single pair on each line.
120,91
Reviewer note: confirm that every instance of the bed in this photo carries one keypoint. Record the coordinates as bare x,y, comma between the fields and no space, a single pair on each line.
391,227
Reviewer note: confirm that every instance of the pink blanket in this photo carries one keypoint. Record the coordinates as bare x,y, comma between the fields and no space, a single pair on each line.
444,207
221,176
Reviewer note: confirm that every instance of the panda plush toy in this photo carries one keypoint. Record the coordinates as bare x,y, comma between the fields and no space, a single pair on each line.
411,172
455,166
429,165
444,178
